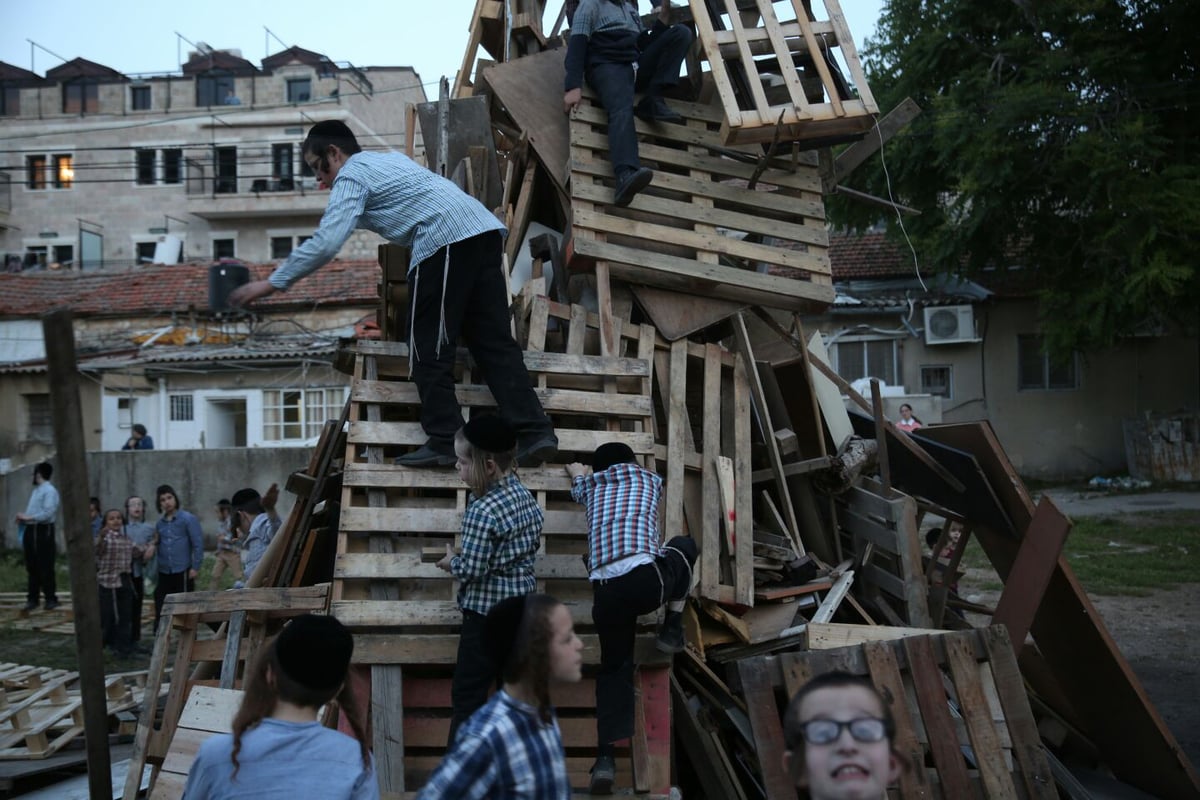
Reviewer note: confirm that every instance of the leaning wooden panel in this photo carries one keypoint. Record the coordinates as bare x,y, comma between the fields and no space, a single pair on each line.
821,91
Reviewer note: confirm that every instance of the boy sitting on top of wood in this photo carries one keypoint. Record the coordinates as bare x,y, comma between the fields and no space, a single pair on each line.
617,56
632,573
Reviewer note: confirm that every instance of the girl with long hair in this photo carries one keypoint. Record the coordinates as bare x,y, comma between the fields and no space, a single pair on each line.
278,749
512,747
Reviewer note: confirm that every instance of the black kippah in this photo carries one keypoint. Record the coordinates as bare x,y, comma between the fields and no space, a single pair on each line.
248,500
315,651
612,453
491,434
501,628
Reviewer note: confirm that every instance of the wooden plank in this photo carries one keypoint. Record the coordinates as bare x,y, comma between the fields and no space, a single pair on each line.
710,526
678,432
570,440
831,635
743,486
419,613
530,90
973,705
233,641
358,519
939,727
1037,559
885,674
759,694
552,399
286,601
829,398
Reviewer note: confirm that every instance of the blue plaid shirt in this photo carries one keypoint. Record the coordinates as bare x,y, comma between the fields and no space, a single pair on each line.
622,512
392,195
500,537
503,752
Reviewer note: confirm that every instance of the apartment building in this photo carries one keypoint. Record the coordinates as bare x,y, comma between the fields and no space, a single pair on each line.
99,169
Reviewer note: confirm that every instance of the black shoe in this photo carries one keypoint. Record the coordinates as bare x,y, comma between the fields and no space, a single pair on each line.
30,606
670,633
604,773
51,605
655,109
425,456
538,452
630,185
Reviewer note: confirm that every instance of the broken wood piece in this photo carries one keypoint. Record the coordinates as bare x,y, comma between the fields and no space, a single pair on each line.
831,635
725,482
786,442
1036,560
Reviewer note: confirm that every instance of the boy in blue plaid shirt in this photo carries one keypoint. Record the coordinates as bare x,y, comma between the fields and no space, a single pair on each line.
632,573
501,534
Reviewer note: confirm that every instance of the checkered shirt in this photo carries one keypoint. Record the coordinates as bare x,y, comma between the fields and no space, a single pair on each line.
500,536
504,751
114,556
622,512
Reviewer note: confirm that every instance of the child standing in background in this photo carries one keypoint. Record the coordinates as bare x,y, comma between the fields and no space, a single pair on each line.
278,749
632,573
114,559
512,747
501,534
228,555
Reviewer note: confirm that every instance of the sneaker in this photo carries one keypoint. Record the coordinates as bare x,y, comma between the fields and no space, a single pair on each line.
50,605
30,606
670,633
655,109
604,773
629,185
540,451
425,456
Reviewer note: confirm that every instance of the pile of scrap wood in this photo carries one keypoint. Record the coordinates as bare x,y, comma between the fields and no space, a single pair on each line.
674,325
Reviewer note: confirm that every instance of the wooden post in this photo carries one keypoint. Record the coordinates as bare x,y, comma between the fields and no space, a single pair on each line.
885,469
59,335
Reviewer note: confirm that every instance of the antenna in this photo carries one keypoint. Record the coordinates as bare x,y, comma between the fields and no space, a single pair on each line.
33,44
267,41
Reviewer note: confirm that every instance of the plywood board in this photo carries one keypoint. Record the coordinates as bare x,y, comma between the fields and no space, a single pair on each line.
530,89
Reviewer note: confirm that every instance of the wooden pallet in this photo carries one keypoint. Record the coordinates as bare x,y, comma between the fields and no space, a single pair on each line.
674,235
402,607
505,29
242,620
963,722
209,711
743,39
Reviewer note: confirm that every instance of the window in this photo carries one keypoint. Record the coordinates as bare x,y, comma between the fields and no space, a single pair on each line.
299,413
64,171
10,101
81,96
172,165
281,162
35,172
226,160
64,254
38,420
937,380
125,412
212,87
224,248
145,252
145,167
299,90
1036,370
281,247
870,358
181,408
139,98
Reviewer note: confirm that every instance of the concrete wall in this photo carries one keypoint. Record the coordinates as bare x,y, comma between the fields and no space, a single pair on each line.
200,477
16,442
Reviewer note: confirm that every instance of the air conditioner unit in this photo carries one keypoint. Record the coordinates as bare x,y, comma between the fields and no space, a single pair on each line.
950,324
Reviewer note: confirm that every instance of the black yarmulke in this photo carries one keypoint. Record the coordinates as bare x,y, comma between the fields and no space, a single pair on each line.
612,453
315,651
491,434
248,500
501,628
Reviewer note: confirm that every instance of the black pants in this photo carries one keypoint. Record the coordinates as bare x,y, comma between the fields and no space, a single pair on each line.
616,605
475,306
116,616
658,68
474,673
138,585
39,562
170,583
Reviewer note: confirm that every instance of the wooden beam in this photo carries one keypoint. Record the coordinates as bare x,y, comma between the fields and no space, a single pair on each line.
886,127
67,415
1031,572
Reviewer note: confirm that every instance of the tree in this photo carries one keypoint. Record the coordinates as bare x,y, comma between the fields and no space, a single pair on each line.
1058,136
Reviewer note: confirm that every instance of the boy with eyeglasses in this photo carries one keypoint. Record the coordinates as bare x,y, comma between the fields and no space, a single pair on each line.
838,733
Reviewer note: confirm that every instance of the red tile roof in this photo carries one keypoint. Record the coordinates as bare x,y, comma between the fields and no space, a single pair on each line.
162,289
868,255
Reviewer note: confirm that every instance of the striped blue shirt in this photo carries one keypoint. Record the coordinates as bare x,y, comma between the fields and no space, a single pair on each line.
392,195
503,752
43,504
500,537
622,512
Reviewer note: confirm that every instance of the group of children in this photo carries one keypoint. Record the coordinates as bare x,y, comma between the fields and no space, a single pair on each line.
509,745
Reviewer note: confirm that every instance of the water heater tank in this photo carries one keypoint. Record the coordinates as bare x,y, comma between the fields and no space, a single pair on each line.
223,277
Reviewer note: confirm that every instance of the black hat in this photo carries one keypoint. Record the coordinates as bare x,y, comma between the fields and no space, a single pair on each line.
315,651
224,503
248,500
491,434
501,629
612,453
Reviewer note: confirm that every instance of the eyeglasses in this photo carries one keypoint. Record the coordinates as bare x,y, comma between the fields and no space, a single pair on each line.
826,731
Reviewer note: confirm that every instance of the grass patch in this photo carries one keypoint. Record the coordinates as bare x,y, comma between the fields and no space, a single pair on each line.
1135,554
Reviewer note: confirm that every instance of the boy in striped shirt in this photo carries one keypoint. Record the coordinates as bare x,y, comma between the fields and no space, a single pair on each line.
632,573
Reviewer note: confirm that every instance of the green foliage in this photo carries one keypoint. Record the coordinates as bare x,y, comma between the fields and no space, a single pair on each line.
1056,137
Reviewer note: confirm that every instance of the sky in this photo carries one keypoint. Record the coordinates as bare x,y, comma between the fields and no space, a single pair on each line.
132,36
